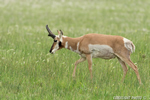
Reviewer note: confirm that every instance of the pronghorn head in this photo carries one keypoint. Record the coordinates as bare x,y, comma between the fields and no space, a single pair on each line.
57,44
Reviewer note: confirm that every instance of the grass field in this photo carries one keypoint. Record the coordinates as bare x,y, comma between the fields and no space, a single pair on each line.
29,72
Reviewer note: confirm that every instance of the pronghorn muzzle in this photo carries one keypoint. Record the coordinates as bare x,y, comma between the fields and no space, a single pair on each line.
51,49
50,33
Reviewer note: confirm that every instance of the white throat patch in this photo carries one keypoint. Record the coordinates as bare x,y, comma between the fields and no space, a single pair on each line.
77,51
66,45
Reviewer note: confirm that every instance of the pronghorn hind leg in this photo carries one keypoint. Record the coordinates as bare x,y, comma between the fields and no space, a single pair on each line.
134,67
124,67
127,60
76,63
89,59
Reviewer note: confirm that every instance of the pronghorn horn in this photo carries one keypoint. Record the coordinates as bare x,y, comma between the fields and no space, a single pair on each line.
50,33
61,32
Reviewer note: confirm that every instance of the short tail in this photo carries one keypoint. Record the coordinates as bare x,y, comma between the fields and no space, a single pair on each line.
129,45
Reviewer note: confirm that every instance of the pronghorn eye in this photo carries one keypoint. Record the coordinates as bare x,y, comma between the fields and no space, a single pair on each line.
55,40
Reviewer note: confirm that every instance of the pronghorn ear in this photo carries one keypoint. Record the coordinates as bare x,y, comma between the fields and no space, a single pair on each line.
60,33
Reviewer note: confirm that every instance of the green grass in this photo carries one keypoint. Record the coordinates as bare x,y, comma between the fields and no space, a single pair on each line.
29,72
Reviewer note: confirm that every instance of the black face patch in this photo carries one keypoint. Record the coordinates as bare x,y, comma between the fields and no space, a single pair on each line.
59,43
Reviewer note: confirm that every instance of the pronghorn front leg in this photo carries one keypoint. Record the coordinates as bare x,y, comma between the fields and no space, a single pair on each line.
89,59
76,63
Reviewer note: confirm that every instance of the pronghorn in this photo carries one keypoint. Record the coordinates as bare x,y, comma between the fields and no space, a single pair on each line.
96,46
